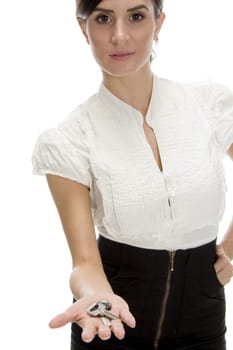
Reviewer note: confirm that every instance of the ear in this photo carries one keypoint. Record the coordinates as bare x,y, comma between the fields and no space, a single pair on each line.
159,23
82,25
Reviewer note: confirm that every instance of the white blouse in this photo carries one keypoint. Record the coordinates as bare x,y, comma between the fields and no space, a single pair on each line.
102,144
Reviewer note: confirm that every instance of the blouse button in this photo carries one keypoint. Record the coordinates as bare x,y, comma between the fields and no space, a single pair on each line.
170,185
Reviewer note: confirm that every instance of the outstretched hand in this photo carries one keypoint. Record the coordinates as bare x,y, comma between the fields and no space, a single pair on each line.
92,326
223,266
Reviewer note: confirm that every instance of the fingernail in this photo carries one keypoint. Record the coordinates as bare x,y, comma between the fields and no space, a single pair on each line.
133,324
121,336
86,338
106,338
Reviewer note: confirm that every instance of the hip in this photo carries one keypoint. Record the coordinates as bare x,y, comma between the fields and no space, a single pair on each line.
175,296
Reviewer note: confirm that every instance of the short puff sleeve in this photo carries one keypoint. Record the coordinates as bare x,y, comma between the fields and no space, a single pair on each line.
217,101
221,117
63,151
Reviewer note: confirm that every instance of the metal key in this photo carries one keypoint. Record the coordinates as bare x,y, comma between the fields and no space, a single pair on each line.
107,305
105,312
94,310
101,309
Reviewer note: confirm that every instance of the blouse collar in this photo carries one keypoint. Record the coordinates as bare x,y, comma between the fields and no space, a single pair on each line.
121,106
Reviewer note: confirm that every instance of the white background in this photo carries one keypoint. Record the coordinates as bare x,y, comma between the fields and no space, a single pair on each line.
46,70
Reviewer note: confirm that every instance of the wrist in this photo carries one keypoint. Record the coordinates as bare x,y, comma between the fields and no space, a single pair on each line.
89,280
227,245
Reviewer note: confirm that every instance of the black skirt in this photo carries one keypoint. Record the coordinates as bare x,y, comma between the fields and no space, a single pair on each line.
176,298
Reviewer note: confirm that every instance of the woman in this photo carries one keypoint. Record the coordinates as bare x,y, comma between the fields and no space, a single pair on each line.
141,160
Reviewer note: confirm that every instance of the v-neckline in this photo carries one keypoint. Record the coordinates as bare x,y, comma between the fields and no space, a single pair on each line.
157,150
147,119
154,100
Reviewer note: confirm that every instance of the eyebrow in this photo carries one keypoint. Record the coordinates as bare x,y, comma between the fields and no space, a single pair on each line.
139,7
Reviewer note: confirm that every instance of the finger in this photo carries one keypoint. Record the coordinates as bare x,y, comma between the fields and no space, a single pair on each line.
225,274
221,252
104,332
89,331
59,321
70,315
124,314
222,279
222,259
221,262
128,318
118,329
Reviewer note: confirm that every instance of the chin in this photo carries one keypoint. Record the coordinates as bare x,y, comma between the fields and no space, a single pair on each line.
124,71
119,75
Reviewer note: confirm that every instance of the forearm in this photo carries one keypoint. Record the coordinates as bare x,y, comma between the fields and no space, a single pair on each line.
88,279
227,241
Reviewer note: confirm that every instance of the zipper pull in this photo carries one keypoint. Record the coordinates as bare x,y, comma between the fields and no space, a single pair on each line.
172,259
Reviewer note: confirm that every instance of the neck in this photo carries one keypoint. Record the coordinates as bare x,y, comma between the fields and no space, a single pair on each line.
134,89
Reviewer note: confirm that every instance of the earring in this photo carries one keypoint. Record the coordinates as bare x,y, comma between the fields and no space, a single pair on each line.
156,36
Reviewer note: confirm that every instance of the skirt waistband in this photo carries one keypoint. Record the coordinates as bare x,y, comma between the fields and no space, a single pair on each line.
143,260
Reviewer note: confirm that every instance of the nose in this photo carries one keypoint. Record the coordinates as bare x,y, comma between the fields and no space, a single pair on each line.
119,32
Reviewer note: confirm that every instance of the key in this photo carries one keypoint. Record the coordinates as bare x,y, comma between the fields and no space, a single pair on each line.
110,315
107,305
94,310
105,312
101,309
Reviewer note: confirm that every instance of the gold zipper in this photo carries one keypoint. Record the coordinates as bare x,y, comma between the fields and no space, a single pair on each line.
171,255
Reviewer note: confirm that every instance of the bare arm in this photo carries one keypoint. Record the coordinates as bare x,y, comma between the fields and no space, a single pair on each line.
88,281
223,266
73,205
228,237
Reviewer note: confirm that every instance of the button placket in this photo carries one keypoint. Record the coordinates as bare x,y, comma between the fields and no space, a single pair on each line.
171,193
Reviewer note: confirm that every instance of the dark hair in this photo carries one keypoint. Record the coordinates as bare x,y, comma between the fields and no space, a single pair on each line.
84,8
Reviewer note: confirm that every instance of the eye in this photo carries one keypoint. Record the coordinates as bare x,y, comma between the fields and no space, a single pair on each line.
136,17
103,19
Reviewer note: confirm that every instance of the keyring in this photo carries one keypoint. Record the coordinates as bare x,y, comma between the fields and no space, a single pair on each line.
105,321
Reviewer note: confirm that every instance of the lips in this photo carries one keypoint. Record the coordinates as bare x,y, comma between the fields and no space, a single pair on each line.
121,55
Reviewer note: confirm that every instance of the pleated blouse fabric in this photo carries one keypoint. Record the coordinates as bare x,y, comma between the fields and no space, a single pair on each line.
102,145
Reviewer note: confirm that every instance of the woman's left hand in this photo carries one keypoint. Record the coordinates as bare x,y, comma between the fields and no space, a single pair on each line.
223,266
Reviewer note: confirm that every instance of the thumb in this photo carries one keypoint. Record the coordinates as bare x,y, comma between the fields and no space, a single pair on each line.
59,321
